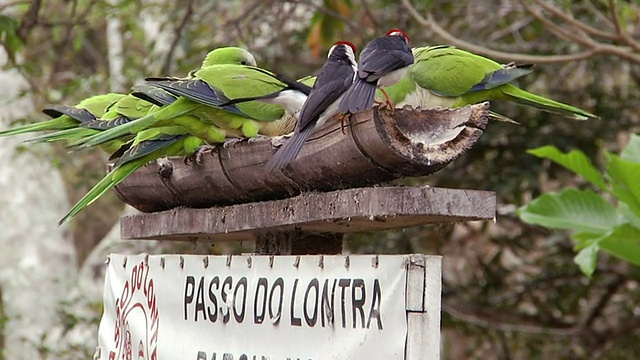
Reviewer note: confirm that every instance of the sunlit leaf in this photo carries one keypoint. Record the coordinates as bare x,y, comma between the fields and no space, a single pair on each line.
587,259
574,160
578,210
631,217
624,177
585,239
632,151
624,243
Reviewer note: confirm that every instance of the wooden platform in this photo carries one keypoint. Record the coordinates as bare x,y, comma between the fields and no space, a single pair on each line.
338,212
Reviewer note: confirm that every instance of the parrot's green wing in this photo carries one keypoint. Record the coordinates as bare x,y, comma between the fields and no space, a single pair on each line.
149,145
153,95
245,82
448,71
129,106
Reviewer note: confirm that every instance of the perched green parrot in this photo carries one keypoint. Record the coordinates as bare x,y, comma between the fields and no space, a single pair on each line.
227,55
131,107
206,97
147,146
449,77
153,143
67,117
126,109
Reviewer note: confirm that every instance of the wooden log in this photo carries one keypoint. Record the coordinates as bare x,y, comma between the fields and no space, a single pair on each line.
379,146
336,212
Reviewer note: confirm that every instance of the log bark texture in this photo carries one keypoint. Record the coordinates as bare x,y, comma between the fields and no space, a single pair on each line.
378,146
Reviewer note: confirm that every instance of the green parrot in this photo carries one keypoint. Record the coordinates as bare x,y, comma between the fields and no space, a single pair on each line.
449,77
206,97
128,108
141,101
66,117
148,145
120,108
153,143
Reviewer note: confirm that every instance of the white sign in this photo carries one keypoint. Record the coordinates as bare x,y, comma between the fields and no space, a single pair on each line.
255,307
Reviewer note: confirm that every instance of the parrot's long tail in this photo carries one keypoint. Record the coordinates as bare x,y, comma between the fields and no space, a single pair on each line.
135,126
66,134
110,180
497,117
358,97
290,150
53,124
527,98
39,126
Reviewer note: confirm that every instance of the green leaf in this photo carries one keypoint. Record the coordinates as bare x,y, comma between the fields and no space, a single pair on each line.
587,259
624,243
9,35
631,217
632,151
574,160
624,177
579,210
585,239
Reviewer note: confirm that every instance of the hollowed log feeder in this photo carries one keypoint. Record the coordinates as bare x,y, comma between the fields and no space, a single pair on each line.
378,146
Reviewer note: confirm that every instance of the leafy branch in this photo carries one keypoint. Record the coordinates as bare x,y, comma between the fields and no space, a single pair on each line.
596,223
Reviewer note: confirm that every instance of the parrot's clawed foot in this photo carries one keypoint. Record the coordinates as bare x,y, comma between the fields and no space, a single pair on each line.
278,141
387,101
197,157
257,138
344,121
231,141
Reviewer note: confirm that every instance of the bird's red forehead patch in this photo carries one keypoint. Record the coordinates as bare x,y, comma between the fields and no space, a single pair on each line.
394,31
353,47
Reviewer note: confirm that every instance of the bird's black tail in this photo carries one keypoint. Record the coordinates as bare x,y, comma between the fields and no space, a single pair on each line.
358,97
289,151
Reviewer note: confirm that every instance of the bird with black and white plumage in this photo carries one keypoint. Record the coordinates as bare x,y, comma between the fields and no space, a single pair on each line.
383,62
335,78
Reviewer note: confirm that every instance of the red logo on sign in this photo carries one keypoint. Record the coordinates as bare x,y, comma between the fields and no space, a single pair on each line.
136,328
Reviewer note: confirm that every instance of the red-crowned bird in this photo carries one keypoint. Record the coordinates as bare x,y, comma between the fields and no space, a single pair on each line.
383,62
446,76
335,78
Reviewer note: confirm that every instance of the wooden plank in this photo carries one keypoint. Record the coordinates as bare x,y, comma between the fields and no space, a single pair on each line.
378,146
341,211
423,339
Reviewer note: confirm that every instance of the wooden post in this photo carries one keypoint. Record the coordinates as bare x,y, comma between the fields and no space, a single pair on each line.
298,243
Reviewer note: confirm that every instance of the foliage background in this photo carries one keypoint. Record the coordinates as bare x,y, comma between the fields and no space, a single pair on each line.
511,290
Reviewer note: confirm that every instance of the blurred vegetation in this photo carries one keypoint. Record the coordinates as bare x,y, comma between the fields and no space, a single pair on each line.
511,290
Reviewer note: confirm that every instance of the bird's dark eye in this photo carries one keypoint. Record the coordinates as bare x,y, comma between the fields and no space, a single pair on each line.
243,62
